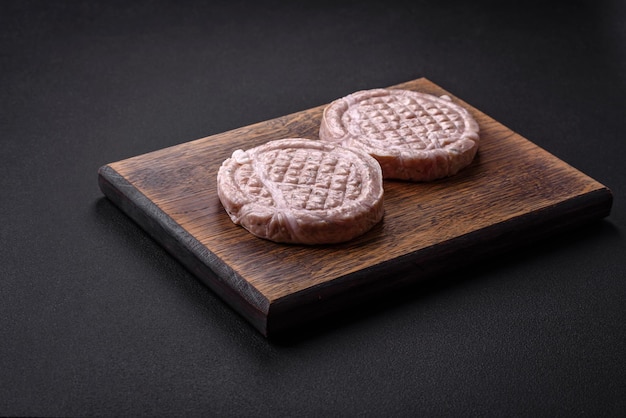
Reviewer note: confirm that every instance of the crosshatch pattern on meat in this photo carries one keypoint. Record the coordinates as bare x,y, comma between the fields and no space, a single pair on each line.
414,136
305,179
404,120
305,191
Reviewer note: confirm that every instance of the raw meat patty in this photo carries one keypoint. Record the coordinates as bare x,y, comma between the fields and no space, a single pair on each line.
414,136
302,191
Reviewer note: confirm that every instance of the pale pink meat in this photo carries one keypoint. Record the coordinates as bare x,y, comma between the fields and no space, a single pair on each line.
414,136
302,191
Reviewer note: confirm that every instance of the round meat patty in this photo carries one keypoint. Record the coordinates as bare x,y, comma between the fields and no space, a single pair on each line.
414,136
302,191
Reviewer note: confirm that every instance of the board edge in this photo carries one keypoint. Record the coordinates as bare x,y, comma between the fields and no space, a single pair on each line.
319,302
199,260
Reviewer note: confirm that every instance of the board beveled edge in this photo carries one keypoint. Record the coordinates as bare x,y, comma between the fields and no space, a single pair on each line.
201,262
357,288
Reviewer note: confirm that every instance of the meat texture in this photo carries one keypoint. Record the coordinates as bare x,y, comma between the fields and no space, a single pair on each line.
414,136
303,191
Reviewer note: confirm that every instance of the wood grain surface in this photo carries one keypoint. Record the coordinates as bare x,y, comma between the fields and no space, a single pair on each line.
512,193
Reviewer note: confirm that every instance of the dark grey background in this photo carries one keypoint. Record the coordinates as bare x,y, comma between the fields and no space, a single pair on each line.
97,319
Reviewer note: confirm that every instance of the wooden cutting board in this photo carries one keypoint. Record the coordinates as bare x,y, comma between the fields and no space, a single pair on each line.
514,192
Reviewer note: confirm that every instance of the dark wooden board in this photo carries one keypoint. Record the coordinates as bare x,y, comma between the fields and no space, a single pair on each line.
513,192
